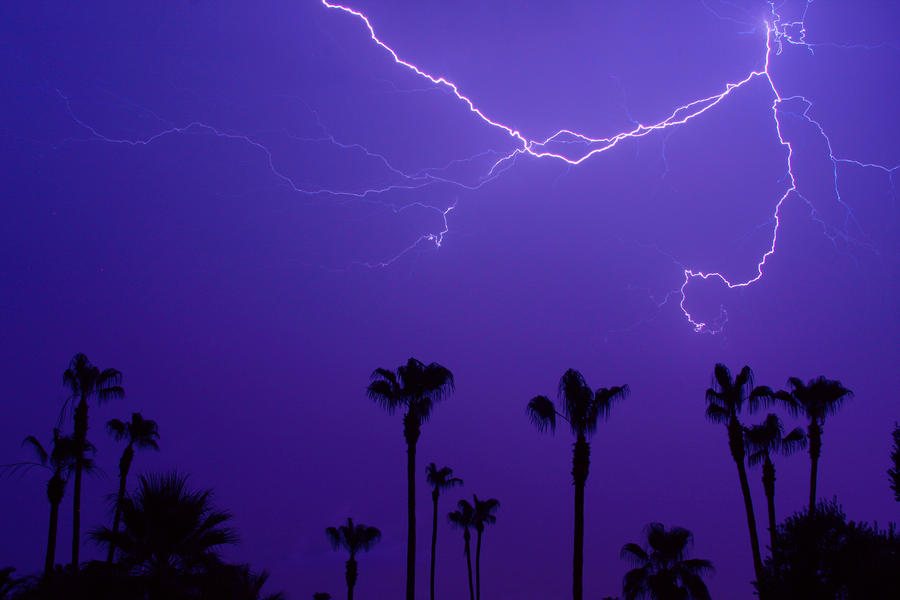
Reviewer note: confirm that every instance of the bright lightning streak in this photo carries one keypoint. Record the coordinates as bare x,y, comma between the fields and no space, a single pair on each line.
777,34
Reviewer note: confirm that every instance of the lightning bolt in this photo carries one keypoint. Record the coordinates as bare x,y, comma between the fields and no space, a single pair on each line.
565,145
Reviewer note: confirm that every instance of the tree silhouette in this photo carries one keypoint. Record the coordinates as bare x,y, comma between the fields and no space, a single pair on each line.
169,535
86,381
236,582
416,387
894,471
439,480
140,433
353,539
8,583
60,461
662,570
463,518
321,596
815,400
724,402
766,439
581,408
483,515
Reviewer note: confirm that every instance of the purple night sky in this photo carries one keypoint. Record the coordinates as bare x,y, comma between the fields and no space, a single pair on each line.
243,206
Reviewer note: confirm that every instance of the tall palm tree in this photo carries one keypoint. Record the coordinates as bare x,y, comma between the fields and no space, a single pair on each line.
352,538
724,402
60,461
662,570
170,534
483,515
766,439
439,479
416,387
815,400
580,408
140,433
86,381
463,518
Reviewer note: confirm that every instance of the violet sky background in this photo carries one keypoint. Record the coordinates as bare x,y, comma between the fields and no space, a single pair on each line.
244,322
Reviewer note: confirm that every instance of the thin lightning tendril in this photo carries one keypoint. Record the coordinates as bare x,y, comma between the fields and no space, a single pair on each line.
778,34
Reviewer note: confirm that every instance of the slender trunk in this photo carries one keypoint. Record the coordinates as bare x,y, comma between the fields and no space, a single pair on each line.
466,537
815,450
434,497
81,426
768,480
124,466
580,465
55,490
350,576
478,565
411,431
736,444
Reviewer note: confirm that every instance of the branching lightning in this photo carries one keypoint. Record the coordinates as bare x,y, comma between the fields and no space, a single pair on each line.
570,146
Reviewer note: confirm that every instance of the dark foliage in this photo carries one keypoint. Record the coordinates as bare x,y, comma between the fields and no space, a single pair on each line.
894,471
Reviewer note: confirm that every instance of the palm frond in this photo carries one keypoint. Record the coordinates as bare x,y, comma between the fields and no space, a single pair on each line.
542,413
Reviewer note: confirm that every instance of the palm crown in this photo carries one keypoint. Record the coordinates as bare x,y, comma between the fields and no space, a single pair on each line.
139,432
581,407
415,385
483,512
662,569
441,479
353,537
768,438
815,400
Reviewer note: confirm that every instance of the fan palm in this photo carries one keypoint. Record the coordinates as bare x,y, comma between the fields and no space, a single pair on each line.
724,402
766,439
463,518
415,387
580,408
170,534
140,433
86,381
483,515
815,400
439,479
60,461
352,538
662,570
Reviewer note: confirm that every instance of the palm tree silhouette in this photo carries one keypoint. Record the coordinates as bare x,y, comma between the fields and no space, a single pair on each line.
352,538
439,479
463,518
416,387
581,408
766,439
170,534
236,582
724,402
60,461
662,570
142,434
483,515
86,381
815,401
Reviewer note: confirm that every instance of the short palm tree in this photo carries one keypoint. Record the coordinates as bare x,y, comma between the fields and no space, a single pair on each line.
581,408
766,439
439,480
724,401
85,382
463,518
60,461
170,534
416,387
353,538
662,570
483,516
814,400
140,433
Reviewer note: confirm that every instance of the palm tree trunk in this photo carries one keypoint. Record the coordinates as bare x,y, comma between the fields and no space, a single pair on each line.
815,450
478,566
580,465
81,425
768,481
124,466
466,537
736,445
411,432
350,575
51,540
434,497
